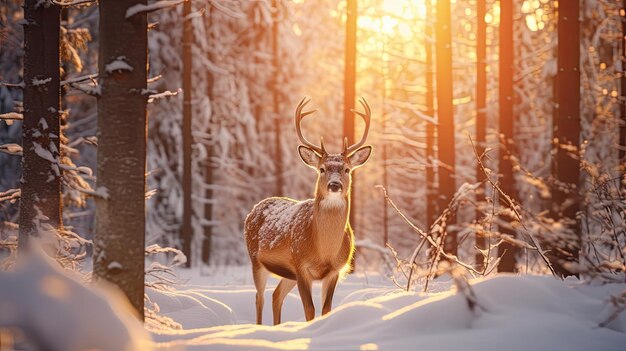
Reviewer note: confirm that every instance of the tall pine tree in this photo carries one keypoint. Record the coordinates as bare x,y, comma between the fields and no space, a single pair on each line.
445,115
506,120
566,136
41,174
119,243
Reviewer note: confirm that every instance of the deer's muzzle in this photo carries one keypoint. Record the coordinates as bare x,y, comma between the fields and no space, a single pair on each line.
334,187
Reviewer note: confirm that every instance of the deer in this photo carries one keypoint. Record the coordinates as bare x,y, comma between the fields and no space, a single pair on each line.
309,240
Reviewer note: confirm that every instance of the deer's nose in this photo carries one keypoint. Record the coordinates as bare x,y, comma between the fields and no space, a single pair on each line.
334,186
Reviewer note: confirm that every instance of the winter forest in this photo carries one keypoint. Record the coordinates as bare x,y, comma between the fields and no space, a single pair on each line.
312,175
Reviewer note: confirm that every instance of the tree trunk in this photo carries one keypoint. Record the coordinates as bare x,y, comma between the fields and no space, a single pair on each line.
119,243
431,156
208,166
276,102
186,229
481,109
566,132
41,175
445,115
507,251
350,94
622,127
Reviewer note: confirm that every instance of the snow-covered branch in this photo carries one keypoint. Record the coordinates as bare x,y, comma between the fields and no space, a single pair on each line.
162,95
91,77
71,3
159,5
12,85
12,116
10,195
11,149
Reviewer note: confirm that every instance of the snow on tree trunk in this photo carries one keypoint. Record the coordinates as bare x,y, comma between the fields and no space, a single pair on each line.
445,114
41,175
566,127
120,217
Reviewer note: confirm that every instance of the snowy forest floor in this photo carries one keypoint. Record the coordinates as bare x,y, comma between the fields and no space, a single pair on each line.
216,311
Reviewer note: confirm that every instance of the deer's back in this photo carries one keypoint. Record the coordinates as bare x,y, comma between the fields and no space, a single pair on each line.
276,224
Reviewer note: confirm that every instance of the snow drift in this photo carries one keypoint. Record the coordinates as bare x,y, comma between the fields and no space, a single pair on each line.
48,309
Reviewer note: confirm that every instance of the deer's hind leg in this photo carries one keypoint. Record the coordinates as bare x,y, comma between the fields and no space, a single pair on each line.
259,274
283,288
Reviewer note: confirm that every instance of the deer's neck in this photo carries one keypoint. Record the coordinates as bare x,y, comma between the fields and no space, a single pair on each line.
330,216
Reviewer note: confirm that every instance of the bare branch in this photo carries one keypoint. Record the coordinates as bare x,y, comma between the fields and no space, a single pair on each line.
513,208
13,85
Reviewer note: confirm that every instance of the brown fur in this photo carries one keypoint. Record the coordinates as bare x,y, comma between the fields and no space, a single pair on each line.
303,241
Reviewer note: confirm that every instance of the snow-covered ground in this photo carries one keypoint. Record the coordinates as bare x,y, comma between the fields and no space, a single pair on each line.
215,310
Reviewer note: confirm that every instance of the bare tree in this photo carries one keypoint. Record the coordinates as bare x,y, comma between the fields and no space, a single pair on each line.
431,156
622,130
566,135
445,114
506,120
350,94
119,243
186,229
276,99
41,174
481,104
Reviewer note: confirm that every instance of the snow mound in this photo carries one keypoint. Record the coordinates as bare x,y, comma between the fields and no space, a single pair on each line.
514,313
191,309
55,311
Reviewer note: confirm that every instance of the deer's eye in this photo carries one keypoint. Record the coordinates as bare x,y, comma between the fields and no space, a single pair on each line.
347,170
322,170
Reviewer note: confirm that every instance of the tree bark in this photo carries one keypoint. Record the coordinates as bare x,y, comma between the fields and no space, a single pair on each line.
208,166
41,175
507,251
622,127
186,229
350,94
119,243
481,109
445,115
431,156
276,101
566,132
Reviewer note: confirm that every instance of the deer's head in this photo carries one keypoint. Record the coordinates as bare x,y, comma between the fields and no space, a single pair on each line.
334,170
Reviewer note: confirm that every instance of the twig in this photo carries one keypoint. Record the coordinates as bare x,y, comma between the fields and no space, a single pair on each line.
510,204
13,85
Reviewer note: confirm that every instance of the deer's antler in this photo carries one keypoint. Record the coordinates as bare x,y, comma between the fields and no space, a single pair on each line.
347,150
299,116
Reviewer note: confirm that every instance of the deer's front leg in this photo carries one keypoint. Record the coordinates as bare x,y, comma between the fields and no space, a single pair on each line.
328,290
303,280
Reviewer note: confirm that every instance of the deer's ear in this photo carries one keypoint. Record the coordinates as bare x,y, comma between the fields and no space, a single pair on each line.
308,156
360,156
